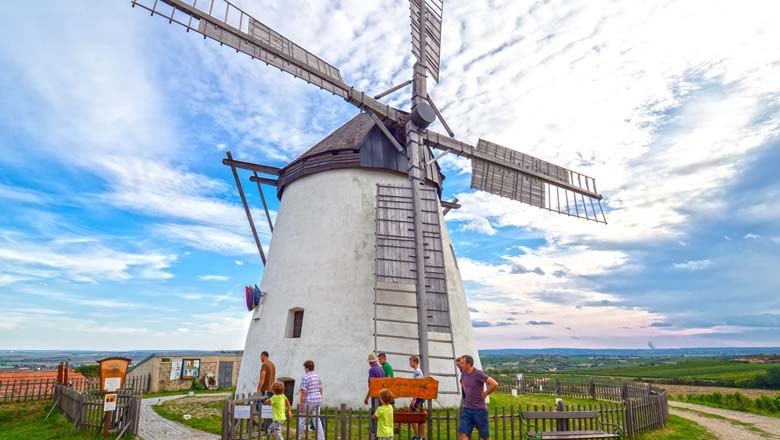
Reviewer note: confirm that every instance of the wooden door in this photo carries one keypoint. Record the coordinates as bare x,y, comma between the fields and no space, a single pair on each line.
225,376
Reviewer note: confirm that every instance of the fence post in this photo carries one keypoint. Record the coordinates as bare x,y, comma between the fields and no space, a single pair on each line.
629,419
343,421
561,424
592,389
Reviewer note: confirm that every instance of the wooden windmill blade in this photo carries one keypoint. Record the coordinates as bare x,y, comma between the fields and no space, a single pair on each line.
525,178
426,39
224,22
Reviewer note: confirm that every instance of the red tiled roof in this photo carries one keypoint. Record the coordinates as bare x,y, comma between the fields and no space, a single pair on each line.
36,375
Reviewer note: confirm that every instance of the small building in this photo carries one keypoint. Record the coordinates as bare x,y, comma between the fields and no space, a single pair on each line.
177,371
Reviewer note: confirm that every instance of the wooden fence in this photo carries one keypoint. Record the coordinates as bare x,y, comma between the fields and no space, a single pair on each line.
85,410
344,423
22,390
646,406
636,407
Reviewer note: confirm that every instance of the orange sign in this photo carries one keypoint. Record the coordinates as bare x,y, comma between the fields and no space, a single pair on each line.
425,388
112,373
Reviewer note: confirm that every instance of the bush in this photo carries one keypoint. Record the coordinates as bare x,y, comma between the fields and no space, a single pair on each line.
197,385
737,401
88,370
769,380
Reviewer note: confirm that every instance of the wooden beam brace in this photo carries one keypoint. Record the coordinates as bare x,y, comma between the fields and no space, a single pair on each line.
265,169
393,89
258,181
441,117
246,209
450,205
264,180
386,132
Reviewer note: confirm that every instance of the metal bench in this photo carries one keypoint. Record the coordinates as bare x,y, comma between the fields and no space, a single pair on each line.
532,431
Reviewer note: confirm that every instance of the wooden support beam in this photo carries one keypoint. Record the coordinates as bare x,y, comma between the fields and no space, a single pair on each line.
246,207
258,180
393,89
386,132
441,117
450,205
265,169
264,180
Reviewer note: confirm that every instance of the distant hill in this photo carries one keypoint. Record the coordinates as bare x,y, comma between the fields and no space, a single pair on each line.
670,352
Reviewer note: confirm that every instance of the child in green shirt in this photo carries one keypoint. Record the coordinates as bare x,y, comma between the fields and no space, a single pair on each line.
279,404
384,416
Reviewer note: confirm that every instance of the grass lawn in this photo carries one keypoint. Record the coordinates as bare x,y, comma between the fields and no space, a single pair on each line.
25,421
206,413
679,428
197,393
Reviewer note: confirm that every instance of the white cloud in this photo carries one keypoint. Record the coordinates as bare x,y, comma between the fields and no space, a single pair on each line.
238,262
693,265
211,239
213,277
750,236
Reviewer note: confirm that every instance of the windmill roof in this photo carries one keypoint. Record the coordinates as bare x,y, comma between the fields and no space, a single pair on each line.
349,136
359,143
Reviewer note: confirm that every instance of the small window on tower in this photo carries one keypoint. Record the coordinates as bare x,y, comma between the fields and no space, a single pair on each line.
294,323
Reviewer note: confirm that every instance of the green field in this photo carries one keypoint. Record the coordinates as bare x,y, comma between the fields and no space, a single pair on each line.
25,421
679,428
700,369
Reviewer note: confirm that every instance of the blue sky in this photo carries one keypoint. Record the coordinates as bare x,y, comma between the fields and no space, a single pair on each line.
121,229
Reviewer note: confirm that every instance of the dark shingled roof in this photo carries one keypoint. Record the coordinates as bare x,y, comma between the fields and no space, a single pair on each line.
349,136
359,143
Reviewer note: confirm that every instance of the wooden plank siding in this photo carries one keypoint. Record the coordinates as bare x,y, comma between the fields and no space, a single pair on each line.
395,253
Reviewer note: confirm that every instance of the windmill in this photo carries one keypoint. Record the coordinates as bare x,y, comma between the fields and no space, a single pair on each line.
359,207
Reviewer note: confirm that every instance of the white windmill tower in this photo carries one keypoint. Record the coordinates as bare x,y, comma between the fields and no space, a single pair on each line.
342,276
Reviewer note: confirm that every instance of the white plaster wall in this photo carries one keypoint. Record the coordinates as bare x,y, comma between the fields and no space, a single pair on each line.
321,259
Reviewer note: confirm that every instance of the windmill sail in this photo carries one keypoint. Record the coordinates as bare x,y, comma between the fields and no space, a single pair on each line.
231,26
430,32
525,178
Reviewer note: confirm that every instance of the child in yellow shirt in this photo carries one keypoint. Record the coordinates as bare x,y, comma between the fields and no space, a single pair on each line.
384,416
279,404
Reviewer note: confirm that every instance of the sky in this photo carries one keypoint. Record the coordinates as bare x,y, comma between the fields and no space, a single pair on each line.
121,229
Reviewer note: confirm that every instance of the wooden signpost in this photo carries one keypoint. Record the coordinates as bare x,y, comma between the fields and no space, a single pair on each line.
426,388
112,379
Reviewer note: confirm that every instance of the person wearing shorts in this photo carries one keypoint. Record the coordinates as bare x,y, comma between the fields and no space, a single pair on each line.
475,413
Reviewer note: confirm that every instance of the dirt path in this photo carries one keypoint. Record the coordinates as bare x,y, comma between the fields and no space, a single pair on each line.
154,427
728,424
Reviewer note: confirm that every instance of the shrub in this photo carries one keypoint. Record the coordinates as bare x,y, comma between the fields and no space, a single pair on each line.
197,385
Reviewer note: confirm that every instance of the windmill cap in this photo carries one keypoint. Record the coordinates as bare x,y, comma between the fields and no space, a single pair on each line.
372,357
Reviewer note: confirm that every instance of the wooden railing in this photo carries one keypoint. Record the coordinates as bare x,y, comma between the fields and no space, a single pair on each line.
85,410
646,406
22,390
344,423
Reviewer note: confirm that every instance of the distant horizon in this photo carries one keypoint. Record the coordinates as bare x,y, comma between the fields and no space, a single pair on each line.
730,347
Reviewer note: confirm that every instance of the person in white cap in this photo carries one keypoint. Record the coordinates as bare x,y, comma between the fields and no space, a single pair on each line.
375,371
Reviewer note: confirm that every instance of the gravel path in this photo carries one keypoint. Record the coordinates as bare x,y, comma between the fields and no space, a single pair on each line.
728,424
154,427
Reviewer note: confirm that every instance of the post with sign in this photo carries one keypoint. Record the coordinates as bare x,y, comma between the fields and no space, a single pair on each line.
426,388
112,379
